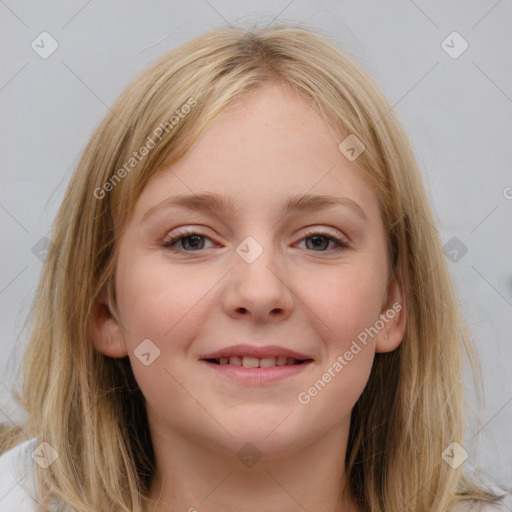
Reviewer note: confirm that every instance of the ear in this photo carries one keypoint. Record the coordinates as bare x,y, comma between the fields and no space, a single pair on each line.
393,314
107,334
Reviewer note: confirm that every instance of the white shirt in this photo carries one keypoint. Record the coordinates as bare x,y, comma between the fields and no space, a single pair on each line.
17,483
17,486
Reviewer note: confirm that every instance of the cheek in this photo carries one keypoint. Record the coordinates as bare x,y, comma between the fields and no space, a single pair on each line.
346,302
343,306
345,310
158,301
168,308
331,396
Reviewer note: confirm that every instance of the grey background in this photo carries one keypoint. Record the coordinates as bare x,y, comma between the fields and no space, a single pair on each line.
455,110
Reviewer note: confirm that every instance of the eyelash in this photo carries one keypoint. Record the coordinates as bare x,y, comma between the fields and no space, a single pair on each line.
341,243
170,242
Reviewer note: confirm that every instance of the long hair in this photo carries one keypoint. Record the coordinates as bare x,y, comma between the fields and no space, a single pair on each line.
89,408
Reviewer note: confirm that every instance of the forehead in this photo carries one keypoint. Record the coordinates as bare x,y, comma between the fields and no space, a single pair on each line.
266,147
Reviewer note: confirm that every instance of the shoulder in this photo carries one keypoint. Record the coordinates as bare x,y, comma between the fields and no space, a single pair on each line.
17,485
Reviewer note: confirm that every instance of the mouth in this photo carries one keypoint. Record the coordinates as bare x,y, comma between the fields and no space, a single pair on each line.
255,362
256,365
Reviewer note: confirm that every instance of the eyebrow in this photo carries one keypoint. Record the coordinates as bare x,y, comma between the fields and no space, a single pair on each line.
218,203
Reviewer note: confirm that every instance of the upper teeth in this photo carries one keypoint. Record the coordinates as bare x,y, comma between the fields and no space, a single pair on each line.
255,362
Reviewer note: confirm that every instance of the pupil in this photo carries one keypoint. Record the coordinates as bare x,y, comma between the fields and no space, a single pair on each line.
194,241
317,240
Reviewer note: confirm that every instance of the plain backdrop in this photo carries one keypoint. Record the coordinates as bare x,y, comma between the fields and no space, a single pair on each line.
453,93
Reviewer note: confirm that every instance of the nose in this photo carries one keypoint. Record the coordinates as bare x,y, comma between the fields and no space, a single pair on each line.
258,289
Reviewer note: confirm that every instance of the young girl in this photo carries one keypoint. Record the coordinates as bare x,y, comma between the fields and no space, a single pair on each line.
245,305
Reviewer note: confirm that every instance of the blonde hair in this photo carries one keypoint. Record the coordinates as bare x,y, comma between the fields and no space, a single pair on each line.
89,407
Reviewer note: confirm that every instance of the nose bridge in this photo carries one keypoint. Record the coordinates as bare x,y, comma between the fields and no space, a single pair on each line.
250,250
257,258
258,286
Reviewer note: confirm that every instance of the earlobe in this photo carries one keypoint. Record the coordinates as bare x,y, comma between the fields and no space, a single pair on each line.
107,335
393,315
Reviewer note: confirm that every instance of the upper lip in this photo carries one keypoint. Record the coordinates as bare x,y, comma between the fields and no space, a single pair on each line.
252,351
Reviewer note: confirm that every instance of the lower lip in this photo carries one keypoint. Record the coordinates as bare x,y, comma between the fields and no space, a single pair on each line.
258,375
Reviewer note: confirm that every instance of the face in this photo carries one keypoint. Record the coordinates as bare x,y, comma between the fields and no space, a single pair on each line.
297,296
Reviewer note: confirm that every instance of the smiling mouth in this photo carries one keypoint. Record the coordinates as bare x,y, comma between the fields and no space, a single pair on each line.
255,362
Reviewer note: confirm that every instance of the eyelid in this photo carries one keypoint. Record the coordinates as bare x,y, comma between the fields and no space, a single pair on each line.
336,234
340,243
309,230
184,233
338,238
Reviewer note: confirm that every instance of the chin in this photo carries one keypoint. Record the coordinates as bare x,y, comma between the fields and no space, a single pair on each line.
272,438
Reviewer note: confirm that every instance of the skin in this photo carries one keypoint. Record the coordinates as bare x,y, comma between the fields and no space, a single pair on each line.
314,299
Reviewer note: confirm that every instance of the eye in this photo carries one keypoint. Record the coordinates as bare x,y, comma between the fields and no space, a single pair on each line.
190,241
321,240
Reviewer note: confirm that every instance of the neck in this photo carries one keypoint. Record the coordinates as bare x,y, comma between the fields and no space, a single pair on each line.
190,477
